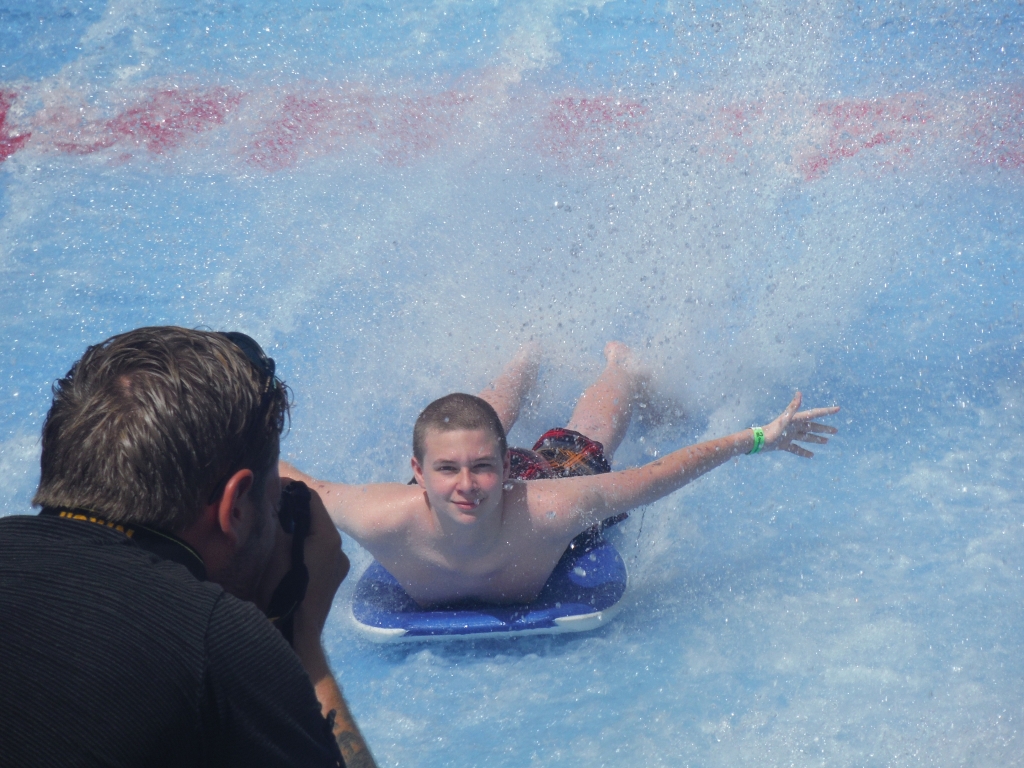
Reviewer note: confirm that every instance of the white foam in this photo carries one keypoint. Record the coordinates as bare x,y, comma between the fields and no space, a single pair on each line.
859,609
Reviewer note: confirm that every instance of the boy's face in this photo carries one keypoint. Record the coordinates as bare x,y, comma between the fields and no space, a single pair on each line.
462,473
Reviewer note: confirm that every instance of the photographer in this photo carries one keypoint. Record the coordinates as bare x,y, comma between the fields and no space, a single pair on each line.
130,636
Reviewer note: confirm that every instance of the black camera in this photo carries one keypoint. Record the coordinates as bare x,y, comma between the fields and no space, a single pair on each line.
294,512
294,517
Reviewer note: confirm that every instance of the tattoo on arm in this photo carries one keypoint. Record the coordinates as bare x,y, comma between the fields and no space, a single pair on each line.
350,741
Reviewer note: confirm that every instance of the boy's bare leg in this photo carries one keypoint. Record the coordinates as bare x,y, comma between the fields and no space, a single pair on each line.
506,393
604,410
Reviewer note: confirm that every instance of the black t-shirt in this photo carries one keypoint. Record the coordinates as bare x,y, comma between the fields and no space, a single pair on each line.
112,655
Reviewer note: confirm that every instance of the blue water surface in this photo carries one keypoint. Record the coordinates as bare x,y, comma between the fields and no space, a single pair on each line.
759,198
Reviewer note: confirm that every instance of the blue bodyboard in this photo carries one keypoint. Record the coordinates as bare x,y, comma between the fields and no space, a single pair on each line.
582,593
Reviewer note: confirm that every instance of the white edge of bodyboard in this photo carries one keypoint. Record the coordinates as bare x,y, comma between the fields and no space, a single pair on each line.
579,623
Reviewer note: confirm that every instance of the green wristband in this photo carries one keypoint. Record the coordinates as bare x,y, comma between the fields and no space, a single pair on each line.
758,439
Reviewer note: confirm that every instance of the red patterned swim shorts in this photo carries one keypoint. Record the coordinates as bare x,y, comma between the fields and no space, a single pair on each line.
564,453
559,453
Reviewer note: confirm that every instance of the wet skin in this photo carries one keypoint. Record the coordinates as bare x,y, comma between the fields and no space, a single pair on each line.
462,534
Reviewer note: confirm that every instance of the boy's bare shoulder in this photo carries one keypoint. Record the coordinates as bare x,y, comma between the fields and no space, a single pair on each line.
556,505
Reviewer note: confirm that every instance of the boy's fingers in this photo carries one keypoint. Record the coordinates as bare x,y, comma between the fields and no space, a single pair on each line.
811,438
794,448
794,403
815,427
816,412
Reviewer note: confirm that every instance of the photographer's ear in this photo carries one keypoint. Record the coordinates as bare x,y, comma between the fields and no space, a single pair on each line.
231,518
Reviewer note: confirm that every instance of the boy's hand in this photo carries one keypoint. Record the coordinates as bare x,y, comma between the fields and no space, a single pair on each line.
791,426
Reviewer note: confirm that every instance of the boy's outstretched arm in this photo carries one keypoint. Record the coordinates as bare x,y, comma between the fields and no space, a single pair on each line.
368,513
600,496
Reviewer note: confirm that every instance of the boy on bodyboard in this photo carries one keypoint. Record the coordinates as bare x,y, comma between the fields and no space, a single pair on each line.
485,523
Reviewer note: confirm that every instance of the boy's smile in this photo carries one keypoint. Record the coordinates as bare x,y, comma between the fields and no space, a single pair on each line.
462,473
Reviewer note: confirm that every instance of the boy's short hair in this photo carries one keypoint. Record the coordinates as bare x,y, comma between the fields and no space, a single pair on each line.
457,411
147,426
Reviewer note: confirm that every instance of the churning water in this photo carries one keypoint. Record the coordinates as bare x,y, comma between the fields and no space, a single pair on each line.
758,196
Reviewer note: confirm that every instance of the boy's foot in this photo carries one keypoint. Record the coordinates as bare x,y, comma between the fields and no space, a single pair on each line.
526,362
507,392
622,356
605,408
651,407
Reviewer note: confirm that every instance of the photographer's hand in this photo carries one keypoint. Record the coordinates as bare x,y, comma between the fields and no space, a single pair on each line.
278,566
327,566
